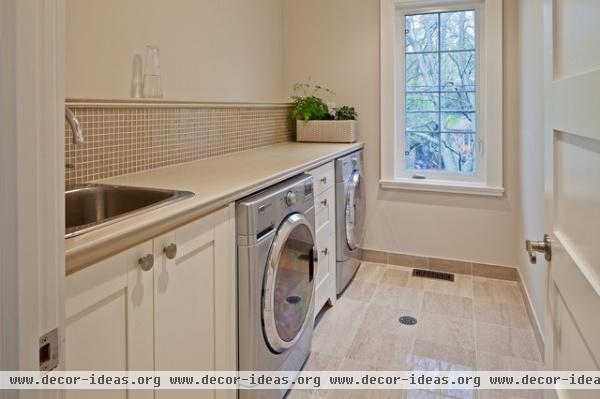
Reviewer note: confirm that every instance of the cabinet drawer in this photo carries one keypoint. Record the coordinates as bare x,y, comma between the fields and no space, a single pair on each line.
324,177
325,210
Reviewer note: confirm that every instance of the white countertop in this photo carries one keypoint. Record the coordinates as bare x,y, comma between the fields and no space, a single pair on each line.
215,182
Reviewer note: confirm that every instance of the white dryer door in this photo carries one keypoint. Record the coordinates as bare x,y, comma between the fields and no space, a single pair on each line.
355,211
289,283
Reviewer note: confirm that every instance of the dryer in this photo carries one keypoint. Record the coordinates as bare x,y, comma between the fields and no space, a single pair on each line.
276,279
350,216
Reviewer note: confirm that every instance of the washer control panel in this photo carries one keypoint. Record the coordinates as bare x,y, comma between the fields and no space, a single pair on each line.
261,212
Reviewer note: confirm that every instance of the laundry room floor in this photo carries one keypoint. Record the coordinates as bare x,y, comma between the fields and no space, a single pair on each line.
473,323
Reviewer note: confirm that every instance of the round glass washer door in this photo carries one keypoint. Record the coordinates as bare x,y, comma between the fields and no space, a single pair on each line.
289,283
355,211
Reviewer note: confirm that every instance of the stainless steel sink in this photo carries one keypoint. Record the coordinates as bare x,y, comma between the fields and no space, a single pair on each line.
90,206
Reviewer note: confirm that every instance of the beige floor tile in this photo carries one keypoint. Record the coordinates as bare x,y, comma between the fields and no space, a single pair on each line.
462,286
412,282
493,362
450,331
490,290
360,290
483,290
321,362
449,305
333,339
400,267
380,349
502,314
346,311
394,276
506,341
370,272
385,318
508,293
396,297
357,365
431,356
318,361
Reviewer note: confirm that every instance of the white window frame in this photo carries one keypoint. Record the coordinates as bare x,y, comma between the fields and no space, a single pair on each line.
488,179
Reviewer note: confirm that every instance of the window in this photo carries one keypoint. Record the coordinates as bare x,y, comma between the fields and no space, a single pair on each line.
442,96
440,91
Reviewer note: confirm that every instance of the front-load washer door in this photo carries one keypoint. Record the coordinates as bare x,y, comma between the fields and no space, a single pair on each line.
355,211
289,283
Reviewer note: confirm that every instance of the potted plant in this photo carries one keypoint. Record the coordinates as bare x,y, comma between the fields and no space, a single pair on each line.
316,122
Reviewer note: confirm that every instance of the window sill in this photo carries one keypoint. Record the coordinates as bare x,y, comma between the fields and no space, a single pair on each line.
442,186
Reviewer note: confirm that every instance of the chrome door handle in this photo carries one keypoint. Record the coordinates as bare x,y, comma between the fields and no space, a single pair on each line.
146,262
325,251
170,251
324,202
324,180
544,247
312,264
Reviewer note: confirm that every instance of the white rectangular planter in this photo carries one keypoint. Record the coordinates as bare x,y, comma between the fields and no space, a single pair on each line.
326,131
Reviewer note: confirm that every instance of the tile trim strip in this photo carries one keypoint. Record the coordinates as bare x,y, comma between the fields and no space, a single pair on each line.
441,264
149,103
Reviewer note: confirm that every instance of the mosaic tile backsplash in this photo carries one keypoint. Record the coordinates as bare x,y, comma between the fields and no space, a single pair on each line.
122,140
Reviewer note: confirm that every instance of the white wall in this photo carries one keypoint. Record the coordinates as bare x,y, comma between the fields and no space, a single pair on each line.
531,158
211,50
336,43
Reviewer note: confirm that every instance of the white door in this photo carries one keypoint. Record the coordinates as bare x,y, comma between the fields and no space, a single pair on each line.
572,177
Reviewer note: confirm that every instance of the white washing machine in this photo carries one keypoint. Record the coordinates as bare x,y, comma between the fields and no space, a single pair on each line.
276,279
350,216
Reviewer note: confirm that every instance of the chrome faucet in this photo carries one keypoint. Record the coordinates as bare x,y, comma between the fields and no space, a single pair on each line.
75,127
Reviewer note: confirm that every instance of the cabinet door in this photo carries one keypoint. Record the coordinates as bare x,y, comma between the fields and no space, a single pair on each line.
109,326
194,282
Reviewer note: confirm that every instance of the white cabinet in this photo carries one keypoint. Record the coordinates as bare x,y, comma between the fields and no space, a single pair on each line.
324,187
178,315
194,302
108,326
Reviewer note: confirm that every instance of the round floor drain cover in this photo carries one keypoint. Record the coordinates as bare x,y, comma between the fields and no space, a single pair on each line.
293,299
408,320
